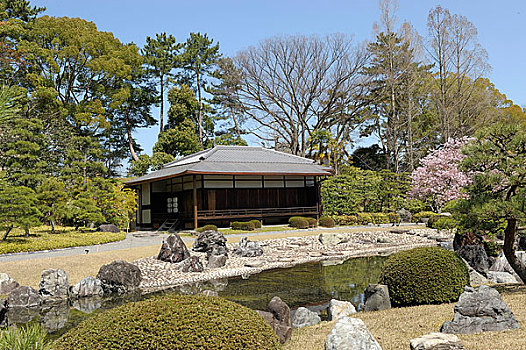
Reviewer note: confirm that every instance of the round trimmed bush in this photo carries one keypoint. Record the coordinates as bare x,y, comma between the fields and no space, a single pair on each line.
243,225
326,221
206,228
172,322
257,223
298,222
429,275
312,222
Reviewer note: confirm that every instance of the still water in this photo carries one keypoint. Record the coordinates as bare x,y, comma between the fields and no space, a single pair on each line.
311,285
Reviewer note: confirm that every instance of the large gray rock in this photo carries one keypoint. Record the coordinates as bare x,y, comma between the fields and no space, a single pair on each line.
501,277
436,341
351,334
3,313
25,297
338,309
216,261
119,277
278,318
208,240
304,317
248,248
87,287
478,310
192,264
333,238
108,228
7,284
173,250
376,297
54,284
476,257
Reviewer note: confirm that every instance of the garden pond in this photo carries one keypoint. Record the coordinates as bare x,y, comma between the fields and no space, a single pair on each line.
311,285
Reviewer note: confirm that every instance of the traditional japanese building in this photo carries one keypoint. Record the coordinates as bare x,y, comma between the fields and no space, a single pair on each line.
229,183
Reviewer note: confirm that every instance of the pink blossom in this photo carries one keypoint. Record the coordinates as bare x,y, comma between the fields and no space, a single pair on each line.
438,179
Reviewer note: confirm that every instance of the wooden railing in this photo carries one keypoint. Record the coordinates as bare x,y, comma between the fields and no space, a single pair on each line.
254,213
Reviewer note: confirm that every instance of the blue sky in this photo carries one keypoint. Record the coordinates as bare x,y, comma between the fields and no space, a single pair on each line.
238,24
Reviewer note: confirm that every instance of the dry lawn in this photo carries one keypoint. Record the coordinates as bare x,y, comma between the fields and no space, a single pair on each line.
394,328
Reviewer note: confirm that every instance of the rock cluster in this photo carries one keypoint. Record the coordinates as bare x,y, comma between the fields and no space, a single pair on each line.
436,341
173,250
213,243
478,310
351,333
278,316
338,309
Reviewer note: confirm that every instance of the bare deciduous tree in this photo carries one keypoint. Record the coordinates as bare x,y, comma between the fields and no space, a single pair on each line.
294,85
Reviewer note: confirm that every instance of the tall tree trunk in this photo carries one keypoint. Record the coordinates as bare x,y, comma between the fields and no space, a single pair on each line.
130,138
52,222
236,125
161,114
200,108
509,249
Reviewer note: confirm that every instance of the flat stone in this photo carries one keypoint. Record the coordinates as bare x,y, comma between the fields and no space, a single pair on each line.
350,334
333,238
384,240
436,341
478,310
108,228
304,317
7,284
255,263
338,309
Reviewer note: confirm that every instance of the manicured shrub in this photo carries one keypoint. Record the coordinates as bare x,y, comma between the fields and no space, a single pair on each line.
30,337
243,225
312,222
326,221
380,218
345,219
365,218
257,223
172,322
423,215
429,275
298,222
394,218
206,228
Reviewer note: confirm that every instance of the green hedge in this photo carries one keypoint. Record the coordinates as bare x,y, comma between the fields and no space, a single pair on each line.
298,222
243,225
313,222
206,228
257,223
429,275
172,322
345,220
42,239
441,222
326,221
423,214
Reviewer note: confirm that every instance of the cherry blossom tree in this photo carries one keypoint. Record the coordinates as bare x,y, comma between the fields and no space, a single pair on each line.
439,180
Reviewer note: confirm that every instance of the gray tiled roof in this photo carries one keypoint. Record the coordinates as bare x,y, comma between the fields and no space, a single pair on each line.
237,160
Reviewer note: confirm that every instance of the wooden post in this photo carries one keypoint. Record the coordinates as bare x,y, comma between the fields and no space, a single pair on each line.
194,190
